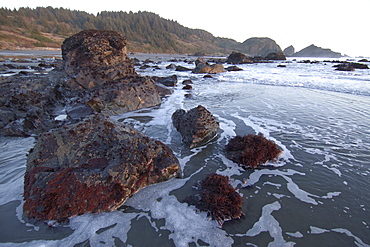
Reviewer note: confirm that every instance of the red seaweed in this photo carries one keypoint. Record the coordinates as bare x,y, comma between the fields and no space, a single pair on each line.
252,150
218,198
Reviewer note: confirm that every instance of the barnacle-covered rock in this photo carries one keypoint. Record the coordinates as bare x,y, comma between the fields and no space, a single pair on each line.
92,166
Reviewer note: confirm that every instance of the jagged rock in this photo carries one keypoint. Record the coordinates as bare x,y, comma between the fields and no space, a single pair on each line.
200,60
289,51
218,198
238,58
27,103
123,95
259,47
251,150
92,58
96,75
163,91
197,126
92,166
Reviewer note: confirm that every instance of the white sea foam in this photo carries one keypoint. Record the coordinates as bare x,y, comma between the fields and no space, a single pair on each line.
357,240
267,223
182,220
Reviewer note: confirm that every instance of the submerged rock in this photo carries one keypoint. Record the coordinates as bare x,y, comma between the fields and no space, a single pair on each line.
251,150
197,126
218,198
349,66
92,166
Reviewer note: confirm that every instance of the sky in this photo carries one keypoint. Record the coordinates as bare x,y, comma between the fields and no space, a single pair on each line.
342,26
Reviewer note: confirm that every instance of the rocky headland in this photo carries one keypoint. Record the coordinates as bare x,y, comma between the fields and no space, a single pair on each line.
315,51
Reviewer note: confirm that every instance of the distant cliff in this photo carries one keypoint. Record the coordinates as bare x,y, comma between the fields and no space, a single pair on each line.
315,51
41,28
259,47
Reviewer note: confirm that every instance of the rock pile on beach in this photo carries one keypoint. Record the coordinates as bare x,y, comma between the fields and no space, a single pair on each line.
96,75
85,162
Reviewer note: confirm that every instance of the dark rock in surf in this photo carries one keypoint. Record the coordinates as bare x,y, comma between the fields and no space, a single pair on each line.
187,87
187,82
252,150
233,68
218,198
171,66
204,68
182,68
275,56
197,126
238,58
347,66
91,167
169,81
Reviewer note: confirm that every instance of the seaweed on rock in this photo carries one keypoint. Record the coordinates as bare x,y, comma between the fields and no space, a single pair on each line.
251,150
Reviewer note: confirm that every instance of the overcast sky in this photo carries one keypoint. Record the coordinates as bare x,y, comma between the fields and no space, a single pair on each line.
342,26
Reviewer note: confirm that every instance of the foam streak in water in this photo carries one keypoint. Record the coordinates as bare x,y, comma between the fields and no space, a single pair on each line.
267,223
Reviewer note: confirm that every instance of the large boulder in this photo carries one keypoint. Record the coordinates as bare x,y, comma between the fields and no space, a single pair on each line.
93,57
275,56
197,126
259,47
205,68
92,166
238,58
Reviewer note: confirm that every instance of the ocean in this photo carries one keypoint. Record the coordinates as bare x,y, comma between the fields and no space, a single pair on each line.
315,194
